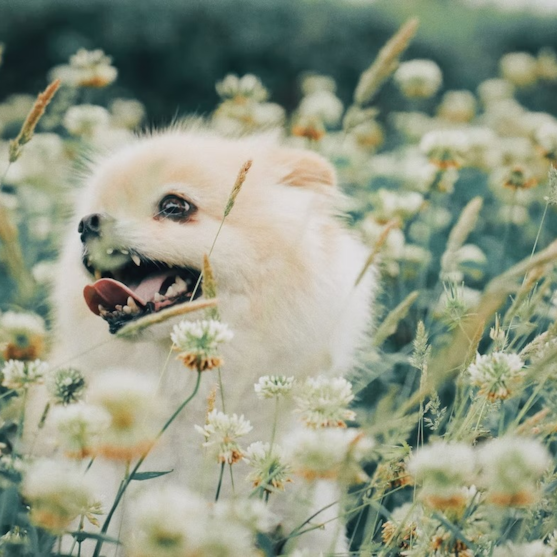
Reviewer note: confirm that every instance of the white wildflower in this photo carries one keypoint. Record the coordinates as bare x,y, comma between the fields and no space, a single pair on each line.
496,375
270,386
443,469
79,427
85,120
519,68
445,148
457,106
389,204
87,68
133,406
20,375
546,138
253,514
335,454
246,87
58,493
323,105
66,385
44,272
197,342
323,402
269,469
22,323
221,434
493,90
127,113
511,468
528,549
418,78
170,522
315,82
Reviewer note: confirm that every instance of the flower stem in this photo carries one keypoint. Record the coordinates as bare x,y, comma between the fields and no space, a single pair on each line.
126,481
275,419
220,481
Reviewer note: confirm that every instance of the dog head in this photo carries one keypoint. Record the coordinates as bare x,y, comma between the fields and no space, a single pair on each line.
151,211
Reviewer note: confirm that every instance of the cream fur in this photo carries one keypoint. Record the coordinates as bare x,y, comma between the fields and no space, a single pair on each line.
284,264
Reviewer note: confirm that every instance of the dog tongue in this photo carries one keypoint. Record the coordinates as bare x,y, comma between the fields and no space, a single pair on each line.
110,293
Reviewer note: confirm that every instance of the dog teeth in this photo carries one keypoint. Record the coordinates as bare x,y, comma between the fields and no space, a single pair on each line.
97,274
132,304
119,307
124,251
170,292
136,259
180,285
109,251
158,297
103,311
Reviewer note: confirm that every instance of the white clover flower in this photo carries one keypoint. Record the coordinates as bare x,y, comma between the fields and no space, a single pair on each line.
443,469
389,205
546,138
519,68
22,323
173,522
494,90
66,385
455,302
323,105
19,375
496,374
86,120
445,148
221,434
197,342
79,427
127,113
253,514
58,493
511,468
315,82
271,386
268,466
458,106
246,87
133,406
21,335
418,78
44,272
529,549
87,68
335,454
322,402
169,522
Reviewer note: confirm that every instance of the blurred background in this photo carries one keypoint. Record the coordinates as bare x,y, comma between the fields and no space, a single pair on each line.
170,53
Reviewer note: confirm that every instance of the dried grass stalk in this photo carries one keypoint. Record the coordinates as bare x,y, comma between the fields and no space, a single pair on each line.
385,64
237,187
35,114
135,327
390,323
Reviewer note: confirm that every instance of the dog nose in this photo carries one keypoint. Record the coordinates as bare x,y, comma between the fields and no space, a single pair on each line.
90,227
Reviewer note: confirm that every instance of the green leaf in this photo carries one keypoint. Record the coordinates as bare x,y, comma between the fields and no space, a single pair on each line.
142,476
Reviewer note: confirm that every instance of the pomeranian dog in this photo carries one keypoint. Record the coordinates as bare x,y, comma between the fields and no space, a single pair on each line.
284,264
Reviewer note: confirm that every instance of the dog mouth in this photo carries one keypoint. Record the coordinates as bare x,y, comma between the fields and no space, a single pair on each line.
138,287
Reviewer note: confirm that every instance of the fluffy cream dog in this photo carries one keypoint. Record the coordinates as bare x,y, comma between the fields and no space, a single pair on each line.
284,264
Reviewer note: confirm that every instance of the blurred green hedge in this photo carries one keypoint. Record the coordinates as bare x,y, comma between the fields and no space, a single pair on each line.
171,52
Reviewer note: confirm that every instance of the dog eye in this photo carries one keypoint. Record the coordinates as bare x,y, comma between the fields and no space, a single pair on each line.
175,207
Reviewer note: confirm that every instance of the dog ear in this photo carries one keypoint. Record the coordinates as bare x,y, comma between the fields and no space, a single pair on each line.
305,169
